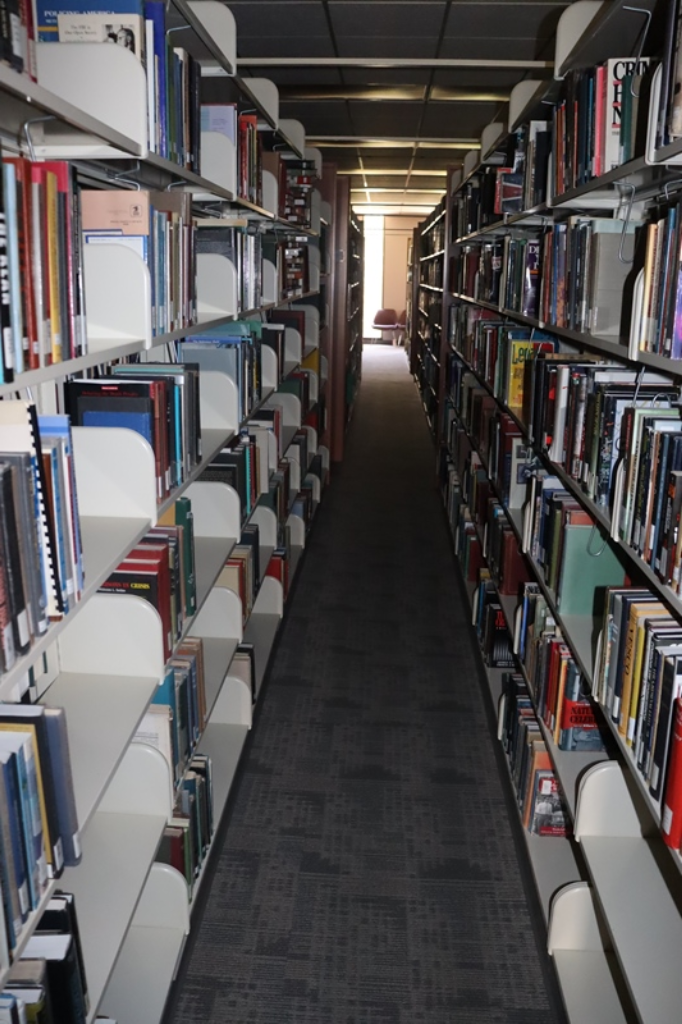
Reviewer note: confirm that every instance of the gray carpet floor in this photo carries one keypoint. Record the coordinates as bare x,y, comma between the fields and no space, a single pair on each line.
369,870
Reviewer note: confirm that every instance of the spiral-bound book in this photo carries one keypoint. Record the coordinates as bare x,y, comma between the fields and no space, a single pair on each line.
19,433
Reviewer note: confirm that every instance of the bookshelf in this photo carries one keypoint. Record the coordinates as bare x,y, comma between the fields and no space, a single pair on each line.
345,362
613,888
427,315
103,661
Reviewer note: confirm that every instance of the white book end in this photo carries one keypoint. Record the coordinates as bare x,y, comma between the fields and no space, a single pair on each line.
115,473
109,320
219,160
216,287
605,806
269,368
312,315
267,94
108,82
269,290
293,346
295,135
572,24
218,22
270,189
219,401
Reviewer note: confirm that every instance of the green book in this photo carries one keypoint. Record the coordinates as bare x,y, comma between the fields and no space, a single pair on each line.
588,566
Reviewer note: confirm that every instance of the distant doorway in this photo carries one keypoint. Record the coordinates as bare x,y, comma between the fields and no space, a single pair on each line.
373,282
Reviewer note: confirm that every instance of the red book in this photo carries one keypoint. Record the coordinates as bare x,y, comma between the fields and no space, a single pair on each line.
671,816
278,568
146,574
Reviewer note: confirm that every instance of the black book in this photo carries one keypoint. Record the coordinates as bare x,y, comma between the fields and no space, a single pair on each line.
59,917
25,495
14,580
63,974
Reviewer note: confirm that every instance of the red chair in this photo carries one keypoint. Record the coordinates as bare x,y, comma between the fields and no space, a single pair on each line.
386,320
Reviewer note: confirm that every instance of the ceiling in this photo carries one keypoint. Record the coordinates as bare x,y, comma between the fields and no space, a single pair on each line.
395,91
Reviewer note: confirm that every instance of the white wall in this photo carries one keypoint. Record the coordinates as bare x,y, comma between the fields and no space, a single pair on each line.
397,233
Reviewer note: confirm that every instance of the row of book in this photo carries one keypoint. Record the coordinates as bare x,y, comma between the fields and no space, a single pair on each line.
573,275
659,325
159,227
41,560
42,298
560,694
161,570
599,121
187,836
432,237
160,401
614,432
48,984
241,129
297,179
539,797
497,350
173,76
556,685
638,680
39,834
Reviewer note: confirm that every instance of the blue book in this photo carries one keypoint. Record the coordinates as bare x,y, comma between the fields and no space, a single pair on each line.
12,866
138,421
47,12
155,11
21,746
60,427
9,175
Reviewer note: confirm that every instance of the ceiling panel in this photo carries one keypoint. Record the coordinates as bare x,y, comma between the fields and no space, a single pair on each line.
272,19
513,21
377,20
385,119
457,120
329,118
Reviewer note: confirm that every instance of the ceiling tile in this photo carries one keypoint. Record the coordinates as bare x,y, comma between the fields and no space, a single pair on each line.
285,46
268,19
385,119
378,20
510,20
457,120
330,118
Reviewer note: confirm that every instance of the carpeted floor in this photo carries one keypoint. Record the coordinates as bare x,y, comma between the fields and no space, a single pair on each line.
369,871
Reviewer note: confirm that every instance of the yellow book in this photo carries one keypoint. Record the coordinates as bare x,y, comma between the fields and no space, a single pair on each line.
638,613
53,264
312,362
27,727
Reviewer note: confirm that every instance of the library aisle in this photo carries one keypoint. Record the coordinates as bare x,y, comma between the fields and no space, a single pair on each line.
368,872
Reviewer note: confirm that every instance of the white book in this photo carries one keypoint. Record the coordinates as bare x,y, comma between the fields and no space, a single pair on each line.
126,30
617,68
